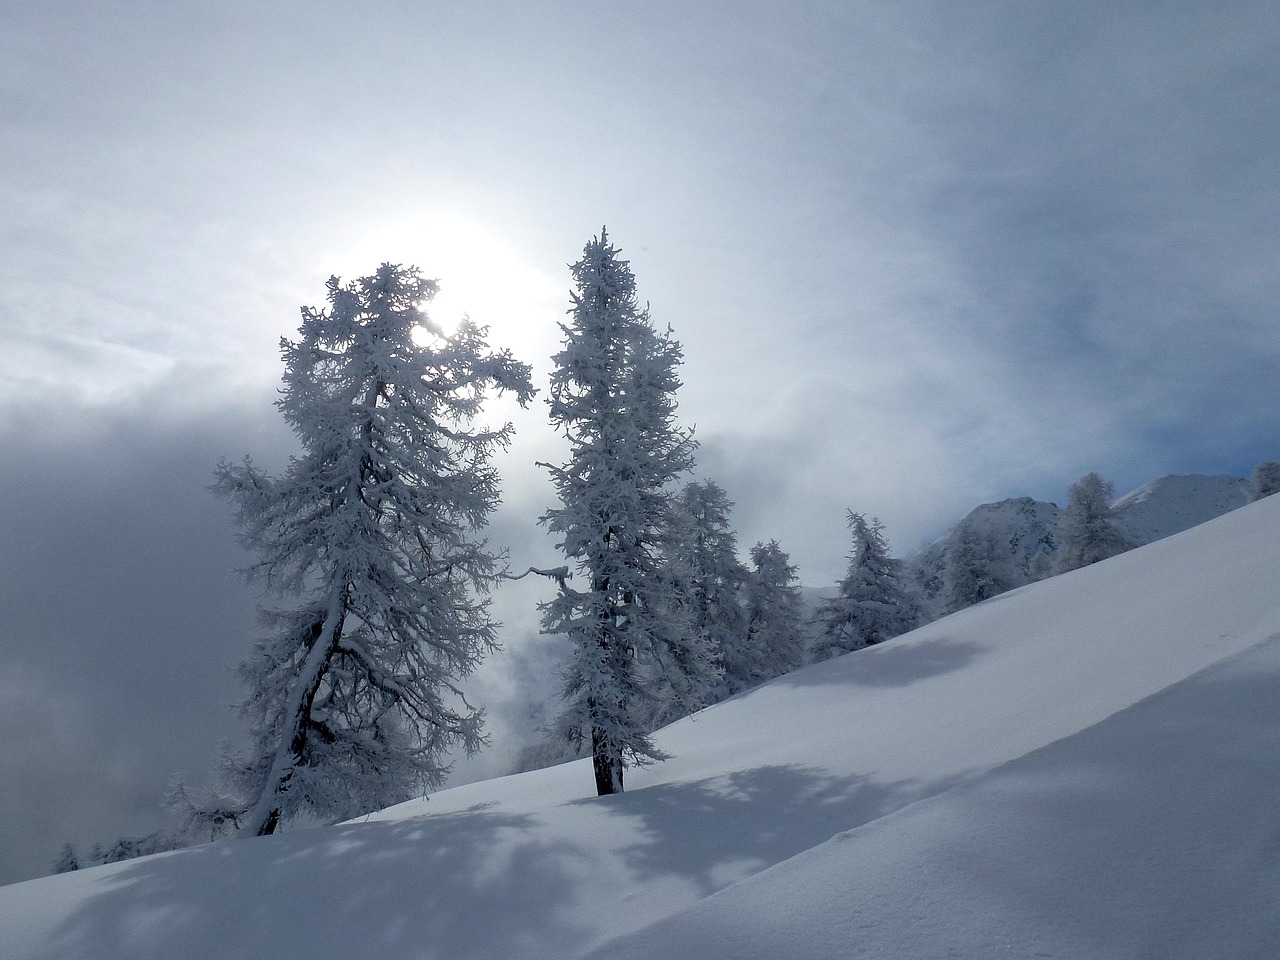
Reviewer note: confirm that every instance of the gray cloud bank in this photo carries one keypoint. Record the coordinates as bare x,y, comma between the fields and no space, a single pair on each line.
122,622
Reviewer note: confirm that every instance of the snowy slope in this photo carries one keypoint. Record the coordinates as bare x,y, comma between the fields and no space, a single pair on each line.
1151,834
968,780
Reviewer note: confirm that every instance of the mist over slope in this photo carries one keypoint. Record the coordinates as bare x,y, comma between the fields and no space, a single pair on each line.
895,799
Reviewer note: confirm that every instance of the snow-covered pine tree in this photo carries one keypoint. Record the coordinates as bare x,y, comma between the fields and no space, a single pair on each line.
613,396
1088,530
774,614
67,861
130,848
872,603
974,570
1265,481
200,819
715,580
371,533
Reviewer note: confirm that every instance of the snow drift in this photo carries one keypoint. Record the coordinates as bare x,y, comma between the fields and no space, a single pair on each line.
1083,767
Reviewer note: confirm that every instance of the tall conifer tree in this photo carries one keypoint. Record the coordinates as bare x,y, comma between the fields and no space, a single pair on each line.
872,603
1088,530
975,568
774,611
715,580
1265,480
370,538
613,397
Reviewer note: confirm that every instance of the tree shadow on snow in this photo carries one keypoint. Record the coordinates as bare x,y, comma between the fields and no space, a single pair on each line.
476,884
387,889
716,831
889,664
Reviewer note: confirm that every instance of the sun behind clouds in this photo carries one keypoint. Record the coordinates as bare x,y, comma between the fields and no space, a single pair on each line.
480,277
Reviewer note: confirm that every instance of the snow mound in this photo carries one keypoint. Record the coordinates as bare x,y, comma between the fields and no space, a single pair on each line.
1080,767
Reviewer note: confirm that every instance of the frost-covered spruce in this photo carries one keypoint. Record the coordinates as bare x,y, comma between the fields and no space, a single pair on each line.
613,397
1088,530
1265,480
715,580
774,614
872,603
975,568
369,540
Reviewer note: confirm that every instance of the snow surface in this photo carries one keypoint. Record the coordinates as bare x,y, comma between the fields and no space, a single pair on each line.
1083,767
1151,834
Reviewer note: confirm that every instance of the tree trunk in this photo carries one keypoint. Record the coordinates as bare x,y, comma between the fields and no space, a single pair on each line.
271,824
606,758
264,816
607,764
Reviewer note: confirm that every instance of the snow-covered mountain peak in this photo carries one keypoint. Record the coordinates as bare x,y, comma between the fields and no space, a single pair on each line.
1168,505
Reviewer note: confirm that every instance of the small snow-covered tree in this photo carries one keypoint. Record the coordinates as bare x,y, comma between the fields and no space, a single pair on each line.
714,580
130,848
613,396
1265,481
371,536
200,819
872,603
774,612
974,568
1088,530
67,861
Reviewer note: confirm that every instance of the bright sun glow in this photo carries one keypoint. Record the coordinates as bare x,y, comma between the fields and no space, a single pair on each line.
479,275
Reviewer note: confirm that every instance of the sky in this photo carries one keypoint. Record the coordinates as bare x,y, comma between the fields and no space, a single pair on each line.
919,255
